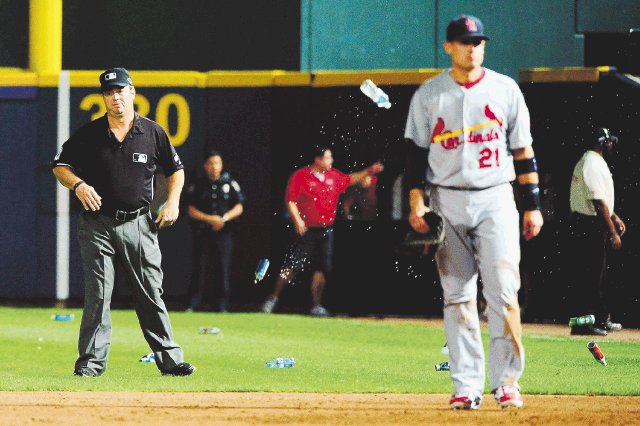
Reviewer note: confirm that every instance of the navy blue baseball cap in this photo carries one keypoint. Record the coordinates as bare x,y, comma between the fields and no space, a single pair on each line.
465,27
115,77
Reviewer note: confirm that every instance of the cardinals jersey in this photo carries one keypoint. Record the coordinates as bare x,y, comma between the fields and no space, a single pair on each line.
469,130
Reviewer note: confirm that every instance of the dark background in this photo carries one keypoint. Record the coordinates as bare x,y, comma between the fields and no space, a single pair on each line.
263,134
275,127
199,35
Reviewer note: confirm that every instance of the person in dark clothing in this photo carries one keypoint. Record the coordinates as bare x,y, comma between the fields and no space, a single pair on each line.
214,204
109,164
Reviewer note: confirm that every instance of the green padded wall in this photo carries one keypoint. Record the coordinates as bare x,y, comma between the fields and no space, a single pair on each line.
610,16
367,34
408,34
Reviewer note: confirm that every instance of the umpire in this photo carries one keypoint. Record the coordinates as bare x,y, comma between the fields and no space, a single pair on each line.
109,164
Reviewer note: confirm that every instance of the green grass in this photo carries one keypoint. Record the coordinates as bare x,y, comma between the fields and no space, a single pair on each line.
332,355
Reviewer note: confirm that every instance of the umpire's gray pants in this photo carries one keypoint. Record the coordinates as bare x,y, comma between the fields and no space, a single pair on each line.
134,244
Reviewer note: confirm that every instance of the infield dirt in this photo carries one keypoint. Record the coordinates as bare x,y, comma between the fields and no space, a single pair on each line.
124,408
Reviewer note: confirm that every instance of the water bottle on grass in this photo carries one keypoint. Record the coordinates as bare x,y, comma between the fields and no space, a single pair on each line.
148,358
209,330
281,363
62,317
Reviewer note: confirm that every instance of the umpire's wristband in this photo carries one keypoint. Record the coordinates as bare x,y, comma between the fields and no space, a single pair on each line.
77,185
530,196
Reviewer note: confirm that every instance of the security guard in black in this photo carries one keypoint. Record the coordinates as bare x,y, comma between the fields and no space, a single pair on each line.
215,201
215,198
121,172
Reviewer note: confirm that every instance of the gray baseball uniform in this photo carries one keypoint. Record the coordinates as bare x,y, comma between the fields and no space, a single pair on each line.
469,132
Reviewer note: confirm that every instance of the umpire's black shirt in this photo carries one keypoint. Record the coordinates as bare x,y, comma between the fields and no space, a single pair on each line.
121,172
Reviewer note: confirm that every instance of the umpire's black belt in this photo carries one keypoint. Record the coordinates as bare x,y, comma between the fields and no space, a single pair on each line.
124,216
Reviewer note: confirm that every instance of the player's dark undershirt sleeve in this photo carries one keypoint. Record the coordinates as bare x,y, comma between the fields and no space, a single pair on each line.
416,165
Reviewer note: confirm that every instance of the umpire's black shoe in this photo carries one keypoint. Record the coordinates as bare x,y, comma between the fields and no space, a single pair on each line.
182,369
587,330
84,372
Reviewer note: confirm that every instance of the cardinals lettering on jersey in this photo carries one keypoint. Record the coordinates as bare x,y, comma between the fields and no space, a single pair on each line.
451,140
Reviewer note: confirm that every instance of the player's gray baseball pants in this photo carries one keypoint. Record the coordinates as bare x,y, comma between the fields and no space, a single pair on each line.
134,244
482,235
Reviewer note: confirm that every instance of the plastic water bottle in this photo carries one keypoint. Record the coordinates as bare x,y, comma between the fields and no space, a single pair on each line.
208,330
443,366
375,94
62,317
281,363
261,270
445,349
148,358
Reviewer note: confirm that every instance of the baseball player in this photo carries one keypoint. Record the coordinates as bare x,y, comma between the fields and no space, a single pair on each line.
470,132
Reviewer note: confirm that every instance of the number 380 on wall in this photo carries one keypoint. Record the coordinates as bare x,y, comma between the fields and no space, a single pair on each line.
143,107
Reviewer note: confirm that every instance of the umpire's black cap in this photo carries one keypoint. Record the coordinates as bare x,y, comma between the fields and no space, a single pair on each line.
114,77
465,27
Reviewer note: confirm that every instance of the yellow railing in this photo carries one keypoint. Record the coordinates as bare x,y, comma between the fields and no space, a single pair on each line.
321,78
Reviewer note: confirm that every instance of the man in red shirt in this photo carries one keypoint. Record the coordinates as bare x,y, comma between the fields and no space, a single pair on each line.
312,197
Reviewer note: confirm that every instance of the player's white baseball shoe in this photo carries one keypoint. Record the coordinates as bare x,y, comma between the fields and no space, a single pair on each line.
508,396
464,401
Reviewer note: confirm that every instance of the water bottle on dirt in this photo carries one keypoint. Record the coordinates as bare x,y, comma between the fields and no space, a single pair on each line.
280,363
375,94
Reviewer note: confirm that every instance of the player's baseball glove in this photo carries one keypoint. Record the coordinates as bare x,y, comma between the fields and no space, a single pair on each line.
416,243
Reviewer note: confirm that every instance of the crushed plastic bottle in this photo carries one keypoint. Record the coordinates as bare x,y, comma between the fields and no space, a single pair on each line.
281,363
208,330
445,349
261,270
148,358
376,94
443,366
62,317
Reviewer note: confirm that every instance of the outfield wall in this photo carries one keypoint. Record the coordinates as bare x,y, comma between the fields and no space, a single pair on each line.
262,122
312,35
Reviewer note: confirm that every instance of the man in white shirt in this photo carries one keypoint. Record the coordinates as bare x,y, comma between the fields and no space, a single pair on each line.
595,229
